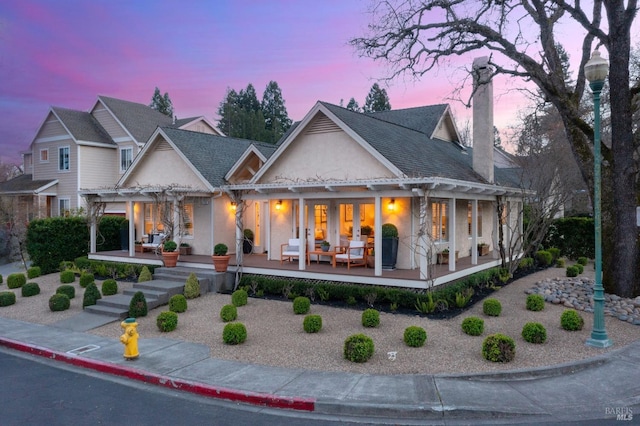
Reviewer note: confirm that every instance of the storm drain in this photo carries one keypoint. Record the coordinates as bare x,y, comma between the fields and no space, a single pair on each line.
83,349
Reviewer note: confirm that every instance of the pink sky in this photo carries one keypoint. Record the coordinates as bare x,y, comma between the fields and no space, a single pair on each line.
66,53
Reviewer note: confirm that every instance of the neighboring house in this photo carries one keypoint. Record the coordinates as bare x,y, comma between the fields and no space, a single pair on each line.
333,175
74,149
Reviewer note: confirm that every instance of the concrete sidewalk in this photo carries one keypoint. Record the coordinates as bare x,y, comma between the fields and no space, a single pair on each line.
598,388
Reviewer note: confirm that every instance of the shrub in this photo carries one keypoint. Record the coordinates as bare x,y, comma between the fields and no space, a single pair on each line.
67,277
86,279
572,271
415,336
312,323
534,332
30,289
571,320
33,272
178,303
579,267
555,253
192,287
50,241
389,230
7,298
59,302
473,326
358,348
464,297
535,302
228,313
109,287
83,263
498,348
1,279
16,280
582,260
239,297
544,258
560,263
526,263
234,333
138,305
145,275
68,290
91,295
351,301
370,318
492,307
167,321
301,305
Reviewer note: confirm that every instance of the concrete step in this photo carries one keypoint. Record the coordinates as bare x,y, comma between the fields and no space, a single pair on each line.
108,311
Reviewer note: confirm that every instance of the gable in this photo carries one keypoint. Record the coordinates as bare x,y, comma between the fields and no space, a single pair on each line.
161,165
323,151
109,123
446,129
51,129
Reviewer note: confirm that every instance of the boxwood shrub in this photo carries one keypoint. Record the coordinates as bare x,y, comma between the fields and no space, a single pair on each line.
312,323
86,279
59,302
370,318
301,305
16,280
7,298
67,277
109,287
91,295
167,321
571,320
68,290
228,313
415,336
30,289
178,303
192,287
492,307
534,332
358,348
535,302
498,348
473,326
572,271
138,305
234,333
145,275
582,260
34,272
544,258
239,297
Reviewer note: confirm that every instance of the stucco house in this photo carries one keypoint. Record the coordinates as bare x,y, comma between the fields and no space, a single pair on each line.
75,149
335,176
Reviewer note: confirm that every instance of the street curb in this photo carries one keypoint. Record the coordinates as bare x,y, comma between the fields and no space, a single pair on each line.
261,399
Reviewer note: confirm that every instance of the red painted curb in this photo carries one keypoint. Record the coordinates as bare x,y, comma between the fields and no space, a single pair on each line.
267,400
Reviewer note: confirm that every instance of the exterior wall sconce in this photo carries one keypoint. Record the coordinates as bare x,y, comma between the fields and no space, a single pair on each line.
392,205
233,206
279,205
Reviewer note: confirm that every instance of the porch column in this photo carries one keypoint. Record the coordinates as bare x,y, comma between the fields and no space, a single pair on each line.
377,237
474,232
212,220
302,232
92,229
424,251
496,231
132,228
452,234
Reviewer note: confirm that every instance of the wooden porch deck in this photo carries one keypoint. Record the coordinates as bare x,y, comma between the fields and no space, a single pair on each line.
259,264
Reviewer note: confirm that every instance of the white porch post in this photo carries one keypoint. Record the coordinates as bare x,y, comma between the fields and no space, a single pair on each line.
303,235
377,237
507,236
452,234
424,253
496,232
132,229
474,232
92,230
212,219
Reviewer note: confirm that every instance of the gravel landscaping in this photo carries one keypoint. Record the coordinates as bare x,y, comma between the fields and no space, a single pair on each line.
276,336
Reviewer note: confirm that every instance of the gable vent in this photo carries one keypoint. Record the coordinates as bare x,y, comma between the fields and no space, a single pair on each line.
322,124
163,146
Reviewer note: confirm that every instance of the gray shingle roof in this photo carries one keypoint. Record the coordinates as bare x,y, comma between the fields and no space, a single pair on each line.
23,184
411,150
213,155
139,119
83,126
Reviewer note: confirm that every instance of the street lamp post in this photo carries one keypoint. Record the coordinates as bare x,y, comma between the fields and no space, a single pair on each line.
596,70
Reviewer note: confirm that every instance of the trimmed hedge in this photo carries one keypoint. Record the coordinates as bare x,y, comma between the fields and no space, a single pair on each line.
178,303
571,320
86,279
59,302
498,348
234,333
167,321
370,318
535,302
358,348
91,295
492,307
473,326
138,305
239,297
67,277
34,272
7,298
52,240
312,323
30,289
109,287
68,290
574,236
192,287
301,305
228,313
16,280
415,336
534,332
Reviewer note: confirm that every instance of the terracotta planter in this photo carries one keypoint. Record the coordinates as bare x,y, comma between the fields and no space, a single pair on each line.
170,258
443,258
139,248
220,263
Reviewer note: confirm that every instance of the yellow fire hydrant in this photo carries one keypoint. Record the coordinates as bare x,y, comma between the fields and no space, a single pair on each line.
130,338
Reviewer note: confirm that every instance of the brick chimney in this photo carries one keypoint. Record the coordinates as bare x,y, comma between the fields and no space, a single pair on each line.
483,118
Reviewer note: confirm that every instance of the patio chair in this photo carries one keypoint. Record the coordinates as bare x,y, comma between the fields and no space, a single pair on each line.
154,244
355,254
290,250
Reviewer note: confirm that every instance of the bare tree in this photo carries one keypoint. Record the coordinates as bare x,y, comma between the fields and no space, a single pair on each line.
418,37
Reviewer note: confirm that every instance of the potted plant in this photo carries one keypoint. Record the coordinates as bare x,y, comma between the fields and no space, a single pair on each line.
185,249
170,253
483,249
220,257
138,246
366,230
389,246
247,242
324,245
443,257
371,259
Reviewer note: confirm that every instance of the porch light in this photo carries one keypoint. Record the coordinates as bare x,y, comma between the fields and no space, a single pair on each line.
279,205
233,205
392,205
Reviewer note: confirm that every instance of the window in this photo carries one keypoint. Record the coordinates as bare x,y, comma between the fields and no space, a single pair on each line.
64,207
439,221
469,205
44,155
187,217
126,158
64,158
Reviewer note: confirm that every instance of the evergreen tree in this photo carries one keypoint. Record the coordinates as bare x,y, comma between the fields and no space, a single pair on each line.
248,99
276,119
162,103
377,100
353,105
229,112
